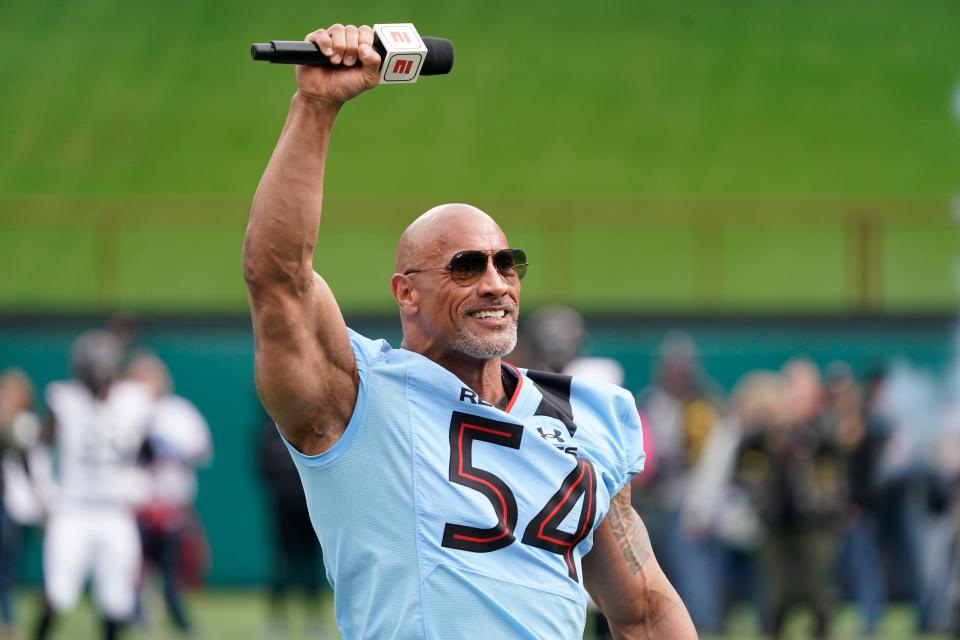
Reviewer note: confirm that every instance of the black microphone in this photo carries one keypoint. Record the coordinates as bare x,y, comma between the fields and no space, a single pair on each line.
439,58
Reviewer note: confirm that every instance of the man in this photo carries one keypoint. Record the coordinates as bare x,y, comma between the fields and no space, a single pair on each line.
23,491
99,424
294,550
683,412
453,494
179,443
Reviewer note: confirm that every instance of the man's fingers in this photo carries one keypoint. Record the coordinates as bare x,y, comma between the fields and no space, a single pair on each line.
365,36
322,39
350,34
368,57
339,42
347,45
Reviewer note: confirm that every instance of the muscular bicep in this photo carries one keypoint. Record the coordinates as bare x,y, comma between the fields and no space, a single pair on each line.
625,580
305,368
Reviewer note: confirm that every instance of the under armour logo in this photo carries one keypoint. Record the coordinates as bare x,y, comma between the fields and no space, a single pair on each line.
551,436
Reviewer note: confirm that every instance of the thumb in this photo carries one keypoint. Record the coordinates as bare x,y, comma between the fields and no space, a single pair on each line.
370,60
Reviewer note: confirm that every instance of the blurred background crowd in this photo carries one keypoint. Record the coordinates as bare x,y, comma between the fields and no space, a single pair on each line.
803,487
799,487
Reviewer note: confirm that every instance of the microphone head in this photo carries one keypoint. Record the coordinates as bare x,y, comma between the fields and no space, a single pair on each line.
439,57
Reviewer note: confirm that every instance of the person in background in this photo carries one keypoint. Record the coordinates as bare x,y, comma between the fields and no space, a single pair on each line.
808,500
915,504
863,437
24,483
294,550
127,328
99,423
552,336
179,443
682,410
729,485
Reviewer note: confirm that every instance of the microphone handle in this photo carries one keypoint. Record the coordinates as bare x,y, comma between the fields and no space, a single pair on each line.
298,52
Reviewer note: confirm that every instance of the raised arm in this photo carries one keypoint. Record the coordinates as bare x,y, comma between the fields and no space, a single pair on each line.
305,369
626,582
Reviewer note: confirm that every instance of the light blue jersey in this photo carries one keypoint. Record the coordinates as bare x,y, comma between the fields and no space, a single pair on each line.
443,517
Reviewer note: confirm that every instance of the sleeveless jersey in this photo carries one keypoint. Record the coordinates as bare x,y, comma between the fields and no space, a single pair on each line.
441,516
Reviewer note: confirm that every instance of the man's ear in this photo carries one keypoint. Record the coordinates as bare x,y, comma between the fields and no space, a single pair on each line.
406,295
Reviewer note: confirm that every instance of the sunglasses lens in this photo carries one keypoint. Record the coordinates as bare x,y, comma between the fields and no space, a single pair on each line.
511,262
467,266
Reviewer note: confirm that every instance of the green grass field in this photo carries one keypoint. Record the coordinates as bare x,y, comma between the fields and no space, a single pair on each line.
241,615
548,99
650,154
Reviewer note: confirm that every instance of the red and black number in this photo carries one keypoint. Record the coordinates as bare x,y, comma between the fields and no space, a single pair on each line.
544,530
464,430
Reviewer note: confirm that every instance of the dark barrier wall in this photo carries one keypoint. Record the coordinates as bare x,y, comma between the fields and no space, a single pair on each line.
212,362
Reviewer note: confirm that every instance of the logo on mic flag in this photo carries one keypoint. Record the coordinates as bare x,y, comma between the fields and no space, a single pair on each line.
404,52
400,37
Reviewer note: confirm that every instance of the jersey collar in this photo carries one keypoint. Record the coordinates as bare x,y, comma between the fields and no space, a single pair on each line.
525,396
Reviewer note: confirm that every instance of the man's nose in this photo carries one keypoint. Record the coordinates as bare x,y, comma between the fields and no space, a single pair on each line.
491,281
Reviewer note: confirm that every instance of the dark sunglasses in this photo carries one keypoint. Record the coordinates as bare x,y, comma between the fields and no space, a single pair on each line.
466,267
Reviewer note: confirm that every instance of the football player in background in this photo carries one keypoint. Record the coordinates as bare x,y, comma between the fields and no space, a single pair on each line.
98,425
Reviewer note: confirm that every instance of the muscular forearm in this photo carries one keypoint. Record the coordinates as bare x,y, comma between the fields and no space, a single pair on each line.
655,611
285,216
627,583
664,618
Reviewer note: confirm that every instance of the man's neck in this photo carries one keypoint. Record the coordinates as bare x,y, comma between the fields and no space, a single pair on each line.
483,376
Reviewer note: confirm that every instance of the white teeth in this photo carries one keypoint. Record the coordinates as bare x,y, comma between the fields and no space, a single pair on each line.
488,314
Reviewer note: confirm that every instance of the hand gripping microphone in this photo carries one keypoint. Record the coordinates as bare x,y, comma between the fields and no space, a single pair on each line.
405,55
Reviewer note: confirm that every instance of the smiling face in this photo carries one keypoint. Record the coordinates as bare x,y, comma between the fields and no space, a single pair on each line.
440,317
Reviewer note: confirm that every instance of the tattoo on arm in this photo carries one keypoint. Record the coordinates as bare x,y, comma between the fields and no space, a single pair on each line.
629,532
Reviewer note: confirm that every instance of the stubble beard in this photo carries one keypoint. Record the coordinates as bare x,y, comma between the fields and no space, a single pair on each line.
481,348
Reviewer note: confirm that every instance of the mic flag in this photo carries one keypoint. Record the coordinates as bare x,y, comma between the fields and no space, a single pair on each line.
404,53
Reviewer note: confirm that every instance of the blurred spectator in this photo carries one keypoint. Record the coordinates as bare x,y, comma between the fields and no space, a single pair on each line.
916,487
863,435
552,336
295,551
178,444
125,327
553,340
23,469
729,487
808,497
99,424
681,411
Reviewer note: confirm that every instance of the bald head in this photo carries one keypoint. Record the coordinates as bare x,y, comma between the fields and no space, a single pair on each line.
445,229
